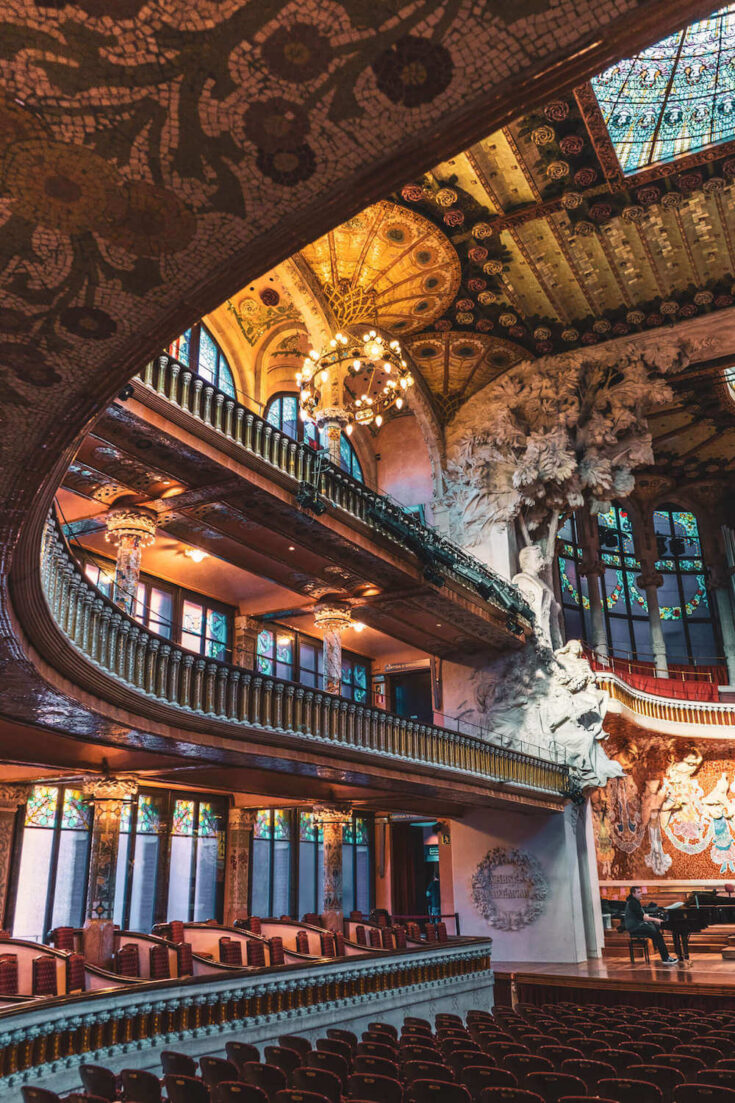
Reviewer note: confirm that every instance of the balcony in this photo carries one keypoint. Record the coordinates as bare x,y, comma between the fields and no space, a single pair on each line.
93,644
268,485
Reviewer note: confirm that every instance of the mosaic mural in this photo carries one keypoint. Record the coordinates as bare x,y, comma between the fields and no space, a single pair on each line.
673,813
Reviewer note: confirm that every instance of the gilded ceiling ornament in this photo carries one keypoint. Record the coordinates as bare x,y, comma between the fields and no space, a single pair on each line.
556,111
465,304
446,197
557,170
351,303
672,200
507,320
601,326
635,317
493,268
482,230
571,200
478,253
669,308
542,135
714,184
632,213
703,298
541,333
454,217
572,145
570,335
584,228
464,318
487,297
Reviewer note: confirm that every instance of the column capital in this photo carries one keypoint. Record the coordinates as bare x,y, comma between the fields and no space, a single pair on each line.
242,818
649,576
122,787
333,813
12,796
590,565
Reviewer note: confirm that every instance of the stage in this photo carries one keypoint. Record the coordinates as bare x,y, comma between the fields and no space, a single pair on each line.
705,981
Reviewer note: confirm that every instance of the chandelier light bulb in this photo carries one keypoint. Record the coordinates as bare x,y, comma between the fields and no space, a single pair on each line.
313,354
399,403
348,430
379,420
358,626
323,376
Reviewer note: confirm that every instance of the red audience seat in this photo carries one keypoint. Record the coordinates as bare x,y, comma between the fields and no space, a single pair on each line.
276,950
230,951
509,1095
399,934
179,1064
293,1041
386,938
379,1049
557,1054
665,1078
703,1093
332,1062
39,1095
240,1053
44,976
375,939
724,1078
254,924
360,936
589,1071
176,931
426,1070
345,1036
159,966
127,961
441,932
327,942
269,1078
98,1080
436,1091
375,1089
186,1089
141,1086
63,938
386,1028
318,1080
708,1054
684,1062
185,961
233,1091
302,942
625,1090
476,1078
376,1066
75,973
553,1086
312,919
521,1064
339,944
256,953
8,974
283,1058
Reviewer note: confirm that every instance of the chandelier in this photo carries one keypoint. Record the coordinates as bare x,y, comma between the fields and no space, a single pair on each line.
131,523
353,380
333,615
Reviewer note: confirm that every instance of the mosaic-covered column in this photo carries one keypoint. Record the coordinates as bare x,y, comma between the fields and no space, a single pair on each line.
591,568
107,795
332,820
130,528
240,825
12,797
333,616
334,420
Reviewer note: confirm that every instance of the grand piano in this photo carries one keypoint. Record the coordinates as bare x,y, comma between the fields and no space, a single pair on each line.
699,911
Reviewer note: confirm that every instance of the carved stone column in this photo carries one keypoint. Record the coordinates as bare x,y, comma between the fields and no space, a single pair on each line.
131,528
246,641
720,586
107,796
12,797
714,552
332,820
240,825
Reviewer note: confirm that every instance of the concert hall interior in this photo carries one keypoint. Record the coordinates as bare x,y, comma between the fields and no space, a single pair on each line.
367,532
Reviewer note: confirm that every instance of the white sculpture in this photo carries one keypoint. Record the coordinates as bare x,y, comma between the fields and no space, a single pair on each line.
539,595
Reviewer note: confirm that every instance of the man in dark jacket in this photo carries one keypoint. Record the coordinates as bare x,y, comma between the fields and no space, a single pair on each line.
640,925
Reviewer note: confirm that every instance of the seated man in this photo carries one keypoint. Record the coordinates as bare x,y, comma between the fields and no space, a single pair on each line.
640,925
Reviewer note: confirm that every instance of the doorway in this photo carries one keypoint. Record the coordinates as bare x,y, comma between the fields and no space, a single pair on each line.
410,695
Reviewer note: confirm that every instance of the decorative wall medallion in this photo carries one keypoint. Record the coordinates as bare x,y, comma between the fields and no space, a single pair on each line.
509,889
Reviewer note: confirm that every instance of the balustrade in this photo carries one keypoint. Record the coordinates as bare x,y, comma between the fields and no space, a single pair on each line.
154,666
298,461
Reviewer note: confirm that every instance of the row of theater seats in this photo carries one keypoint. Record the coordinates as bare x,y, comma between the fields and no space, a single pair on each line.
44,975
551,1054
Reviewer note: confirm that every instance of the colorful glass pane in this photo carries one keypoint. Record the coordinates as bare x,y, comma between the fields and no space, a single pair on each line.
149,815
192,618
361,831
309,830
76,812
209,821
284,648
348,832
673,98
281,824
262,828
183,821
41,806
125,817
179,348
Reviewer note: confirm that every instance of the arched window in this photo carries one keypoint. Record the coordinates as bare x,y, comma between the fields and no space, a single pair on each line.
197,350
624,603
687,618
574,593
282,412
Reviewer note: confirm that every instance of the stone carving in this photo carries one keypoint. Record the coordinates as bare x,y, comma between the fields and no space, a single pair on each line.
509,889
548,703
539,595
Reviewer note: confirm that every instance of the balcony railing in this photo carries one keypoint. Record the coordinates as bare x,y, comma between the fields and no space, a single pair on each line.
321,483
155,667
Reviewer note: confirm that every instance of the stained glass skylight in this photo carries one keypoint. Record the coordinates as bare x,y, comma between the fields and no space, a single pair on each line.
673,98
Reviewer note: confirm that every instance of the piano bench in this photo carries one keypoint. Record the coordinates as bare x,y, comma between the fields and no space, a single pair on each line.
636,943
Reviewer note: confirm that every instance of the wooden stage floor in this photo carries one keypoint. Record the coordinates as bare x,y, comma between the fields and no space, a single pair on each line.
706,981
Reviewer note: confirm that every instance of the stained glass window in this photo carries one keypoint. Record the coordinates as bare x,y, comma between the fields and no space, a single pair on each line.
675,97
687,618
205,629
282,412
574,592
52,877
197,349
309,830
271,869
292,656
183,822
356,865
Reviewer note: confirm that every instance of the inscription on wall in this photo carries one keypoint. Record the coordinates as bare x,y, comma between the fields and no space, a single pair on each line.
509,889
